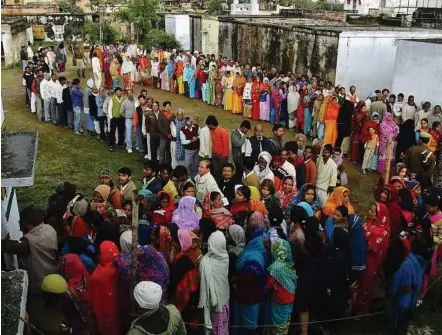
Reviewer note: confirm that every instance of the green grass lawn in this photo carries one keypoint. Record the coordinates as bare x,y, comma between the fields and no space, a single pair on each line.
63,156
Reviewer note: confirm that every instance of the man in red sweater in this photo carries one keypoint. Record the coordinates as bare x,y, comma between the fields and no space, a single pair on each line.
220,145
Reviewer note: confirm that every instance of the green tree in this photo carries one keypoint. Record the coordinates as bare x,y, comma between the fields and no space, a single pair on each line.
214,7
110,35
160,39
140,13
68,6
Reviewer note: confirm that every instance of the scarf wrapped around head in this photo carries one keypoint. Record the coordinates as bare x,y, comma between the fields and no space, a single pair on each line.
76,275
236,233
185,239
185,216
257,219
268,158
282,267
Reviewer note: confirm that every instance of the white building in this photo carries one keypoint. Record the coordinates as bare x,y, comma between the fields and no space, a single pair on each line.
244,7
392,7
179,26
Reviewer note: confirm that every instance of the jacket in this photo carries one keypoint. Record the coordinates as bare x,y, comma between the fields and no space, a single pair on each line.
127,192
275,145
77,97
67,99
157,126
205,184
238,139
93,110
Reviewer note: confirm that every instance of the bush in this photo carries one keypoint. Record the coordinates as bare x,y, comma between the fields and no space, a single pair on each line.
160,39
110,35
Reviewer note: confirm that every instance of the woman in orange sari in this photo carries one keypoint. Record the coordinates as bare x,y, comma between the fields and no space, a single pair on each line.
330,118
179,76
340,196
238,85
256,89
103,285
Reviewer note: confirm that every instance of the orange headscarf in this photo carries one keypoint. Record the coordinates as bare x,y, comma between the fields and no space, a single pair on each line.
335,199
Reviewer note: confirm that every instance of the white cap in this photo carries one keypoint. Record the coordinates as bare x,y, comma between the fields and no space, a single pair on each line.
148,294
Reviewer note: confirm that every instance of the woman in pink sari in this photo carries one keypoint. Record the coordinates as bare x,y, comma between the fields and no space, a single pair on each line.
214,209
388,129
287,191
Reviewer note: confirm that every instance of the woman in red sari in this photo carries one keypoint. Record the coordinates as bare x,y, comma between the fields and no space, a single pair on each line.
256,89
377,234
103,286
287,190
300,111
164,215
107,75
219,90
357,122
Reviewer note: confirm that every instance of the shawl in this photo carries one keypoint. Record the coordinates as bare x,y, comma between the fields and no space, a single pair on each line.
114,68
388,128
323,109
185,216
185,240
163,216
406,137
76,275
236,233
317,110
370,123
332,111
257,219
264,173
213,272
308,209
377,233
358,247
359,117
335,199
344,118
276,98
165,246
180,153
285,199
258,206
253,251
221,216
254,193
127,66
282,268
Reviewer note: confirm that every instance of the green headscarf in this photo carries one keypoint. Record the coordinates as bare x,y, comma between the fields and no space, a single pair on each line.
282,267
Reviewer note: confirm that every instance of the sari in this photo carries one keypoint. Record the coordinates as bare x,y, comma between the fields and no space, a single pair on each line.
330,119
126,70
179,76
151,266
228,92
164,215
221,216
76,303
185,216
256,88
170,75
264,100
218,89
184,284
250,282
335,199
357,122
286,199
108,82
299,198
104,291
211,80
281,284
114,71
192,82
238,86
377,232
388,129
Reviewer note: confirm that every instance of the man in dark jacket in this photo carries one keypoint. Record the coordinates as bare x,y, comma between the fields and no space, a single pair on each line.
67,102
276,143
259,142
297,162
239,137
228,181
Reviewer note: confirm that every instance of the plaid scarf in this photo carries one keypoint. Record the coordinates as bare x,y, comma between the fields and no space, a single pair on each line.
180,154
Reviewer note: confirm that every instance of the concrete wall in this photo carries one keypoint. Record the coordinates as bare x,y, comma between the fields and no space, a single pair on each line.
418,70
311,51
179,26
12,41
367,58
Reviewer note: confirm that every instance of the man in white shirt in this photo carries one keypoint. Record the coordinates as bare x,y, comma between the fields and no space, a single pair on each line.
189,136
29,51
46,96
409,110
397,109
326,174
425,113
96,69
205,143
351,95
204,181
53,88
194,58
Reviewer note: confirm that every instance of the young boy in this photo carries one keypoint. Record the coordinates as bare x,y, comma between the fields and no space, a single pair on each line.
371,146
342,173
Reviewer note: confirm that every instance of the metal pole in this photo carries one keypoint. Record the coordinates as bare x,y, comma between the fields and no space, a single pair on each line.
134,258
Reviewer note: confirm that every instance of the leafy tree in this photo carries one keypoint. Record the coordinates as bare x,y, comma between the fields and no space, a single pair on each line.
110,35
68,6
214,7
160,39
140,13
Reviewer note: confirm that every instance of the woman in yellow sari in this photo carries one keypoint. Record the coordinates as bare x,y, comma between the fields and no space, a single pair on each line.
179,76
238,85
228,88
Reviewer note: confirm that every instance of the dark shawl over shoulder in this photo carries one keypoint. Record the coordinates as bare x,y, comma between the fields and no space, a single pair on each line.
344,118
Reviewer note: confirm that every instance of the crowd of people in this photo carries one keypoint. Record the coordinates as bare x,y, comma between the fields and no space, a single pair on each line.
251,245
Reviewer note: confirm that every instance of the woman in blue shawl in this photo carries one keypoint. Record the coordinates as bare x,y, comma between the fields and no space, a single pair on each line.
192,82
352,224
307,194
250,282
169,72
281,284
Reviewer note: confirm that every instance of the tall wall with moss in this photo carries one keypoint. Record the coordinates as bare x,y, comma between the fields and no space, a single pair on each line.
302,49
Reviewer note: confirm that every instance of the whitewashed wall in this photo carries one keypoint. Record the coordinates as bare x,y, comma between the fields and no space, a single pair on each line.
179,26
418,71
367,58
209,36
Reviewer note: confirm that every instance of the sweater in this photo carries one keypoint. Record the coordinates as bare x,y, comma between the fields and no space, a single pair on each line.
127,109
77,97
115,106
220,141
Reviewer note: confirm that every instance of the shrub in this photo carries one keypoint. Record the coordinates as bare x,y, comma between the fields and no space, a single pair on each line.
160,39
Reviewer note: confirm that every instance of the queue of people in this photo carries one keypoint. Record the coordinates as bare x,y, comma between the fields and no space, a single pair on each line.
252,245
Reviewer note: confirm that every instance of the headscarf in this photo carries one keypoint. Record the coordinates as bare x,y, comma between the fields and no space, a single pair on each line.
213,272
104,191
254,251
335,200
185,216
222,217
165,242
76,275
236,233
285,199
315,205
127,66
254,193
308,209
126,241
264,173
257,219
282,268
406,138
148,295
185,239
